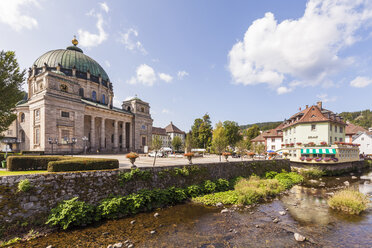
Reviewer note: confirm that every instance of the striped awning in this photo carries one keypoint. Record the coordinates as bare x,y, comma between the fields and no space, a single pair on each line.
318,151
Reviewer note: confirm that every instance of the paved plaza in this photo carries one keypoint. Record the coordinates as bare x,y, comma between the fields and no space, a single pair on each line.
144,161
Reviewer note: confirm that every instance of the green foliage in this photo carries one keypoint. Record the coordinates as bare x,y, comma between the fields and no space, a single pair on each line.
360,118
222,185
227,197
219,141
187,170
156,143
10,242
312,173
11,80
258,148
24,185
201,132
24,163
189,142
134,174
177,143
289,179
209,186
232,132
349,201
71,213
263,126
83,164
271,174
194,190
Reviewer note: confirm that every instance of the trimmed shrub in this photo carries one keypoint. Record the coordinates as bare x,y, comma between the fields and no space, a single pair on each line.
71,213
82,164
32,153
24,163
349,201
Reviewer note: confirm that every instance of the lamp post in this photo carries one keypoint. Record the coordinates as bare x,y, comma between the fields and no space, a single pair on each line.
52,142
71,143
85,139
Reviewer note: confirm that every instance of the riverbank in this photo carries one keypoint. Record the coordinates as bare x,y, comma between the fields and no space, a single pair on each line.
193,225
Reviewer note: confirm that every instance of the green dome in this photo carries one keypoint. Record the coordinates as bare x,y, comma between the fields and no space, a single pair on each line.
69,58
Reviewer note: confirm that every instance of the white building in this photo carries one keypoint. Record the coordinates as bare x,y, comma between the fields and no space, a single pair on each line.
365,141
167,134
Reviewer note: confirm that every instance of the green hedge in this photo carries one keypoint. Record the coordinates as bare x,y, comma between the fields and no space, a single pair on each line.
59,163
81,164
24,163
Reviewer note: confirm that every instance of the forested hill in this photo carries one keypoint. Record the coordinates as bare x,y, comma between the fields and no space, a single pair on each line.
361,118
263,125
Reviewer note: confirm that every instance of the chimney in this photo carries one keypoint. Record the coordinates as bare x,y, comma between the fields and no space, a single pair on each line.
319,105
307,106
300,108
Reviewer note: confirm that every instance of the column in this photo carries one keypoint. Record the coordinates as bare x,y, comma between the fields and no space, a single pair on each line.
103,135
131,137
116,136
92,134
123,144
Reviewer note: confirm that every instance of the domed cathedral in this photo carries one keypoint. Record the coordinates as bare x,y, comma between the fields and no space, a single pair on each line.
70,108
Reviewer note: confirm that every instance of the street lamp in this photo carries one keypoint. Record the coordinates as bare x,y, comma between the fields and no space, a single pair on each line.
71,143
52,142
85,139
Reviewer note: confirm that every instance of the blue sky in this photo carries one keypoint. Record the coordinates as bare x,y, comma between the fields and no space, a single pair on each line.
247,61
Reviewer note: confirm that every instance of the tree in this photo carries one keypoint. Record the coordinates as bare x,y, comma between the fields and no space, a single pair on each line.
11,80
219,141
156,146
195,132
242,147
251,133
205,132
177,143
259,148
232,131
188,142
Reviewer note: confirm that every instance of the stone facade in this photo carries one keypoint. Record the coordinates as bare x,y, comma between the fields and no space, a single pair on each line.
93,186
67,102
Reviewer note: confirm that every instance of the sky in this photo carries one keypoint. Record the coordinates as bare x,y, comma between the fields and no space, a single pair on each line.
244,60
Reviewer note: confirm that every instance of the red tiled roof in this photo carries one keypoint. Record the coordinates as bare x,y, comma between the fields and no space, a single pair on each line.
158,131
173,129
276,132
313,114
259,138
352,129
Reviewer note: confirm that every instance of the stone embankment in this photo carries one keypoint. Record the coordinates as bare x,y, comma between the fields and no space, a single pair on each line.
47,190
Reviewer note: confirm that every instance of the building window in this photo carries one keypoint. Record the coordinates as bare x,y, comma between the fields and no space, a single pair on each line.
340,139
10,132
335,129
335,139
294,130
103,99
65,114
112,138
63,88
94,96
22,135
330,140
22,119
143,127
143,141
81,92
341,130
273,140
273,148
121,139
37,136
313,127
142,109
330,128
37,114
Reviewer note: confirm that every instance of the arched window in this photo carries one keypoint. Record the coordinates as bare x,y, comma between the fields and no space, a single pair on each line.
94,96
128,109
22,117
112,138
22,136
103,99
81,92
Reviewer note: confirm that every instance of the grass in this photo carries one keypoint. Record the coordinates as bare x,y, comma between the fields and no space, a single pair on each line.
252,190
11,173
349,201
312,173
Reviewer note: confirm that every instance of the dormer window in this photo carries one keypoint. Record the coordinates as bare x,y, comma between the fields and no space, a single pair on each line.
313,116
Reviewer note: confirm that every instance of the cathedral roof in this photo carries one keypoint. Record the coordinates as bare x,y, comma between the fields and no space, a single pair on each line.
69,58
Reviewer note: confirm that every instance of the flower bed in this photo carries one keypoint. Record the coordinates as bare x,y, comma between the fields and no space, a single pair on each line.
302,158
318,159
309,159
327,159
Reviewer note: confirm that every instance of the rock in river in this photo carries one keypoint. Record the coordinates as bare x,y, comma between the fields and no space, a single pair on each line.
276,220
219,205
224,211
346,183
299,237
282,212
156,215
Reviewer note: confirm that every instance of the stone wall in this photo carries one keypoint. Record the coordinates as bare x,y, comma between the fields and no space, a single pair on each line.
93,186
333,168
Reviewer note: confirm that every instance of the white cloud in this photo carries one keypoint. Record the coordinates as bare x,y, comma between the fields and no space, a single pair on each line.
283,90
116,102
165,77
182,74
306,49
361,82
87,39
129,39
165,111
12,14
104,7
129,98
325,98
144,75
107,63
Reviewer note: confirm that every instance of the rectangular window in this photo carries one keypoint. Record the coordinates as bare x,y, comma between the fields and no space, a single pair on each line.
273,148
340,139
10,132
37,114
313,127
65,136
341,130
65,114
37,136
294,130
335,138
330,140
273,140
143,141
335,129
330,128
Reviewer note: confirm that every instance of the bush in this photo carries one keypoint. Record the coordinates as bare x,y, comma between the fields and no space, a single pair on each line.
222,185
71,213
23,163
194,191
24,185
209,186
83,164
312,173
32,153
289,179
271,174
227,197
349,201
134,174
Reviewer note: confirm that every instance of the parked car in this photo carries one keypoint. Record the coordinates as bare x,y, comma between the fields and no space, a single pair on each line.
159,154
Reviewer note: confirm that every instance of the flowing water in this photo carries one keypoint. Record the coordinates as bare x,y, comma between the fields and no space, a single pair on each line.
191,225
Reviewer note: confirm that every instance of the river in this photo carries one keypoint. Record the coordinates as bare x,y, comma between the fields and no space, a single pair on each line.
192,225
